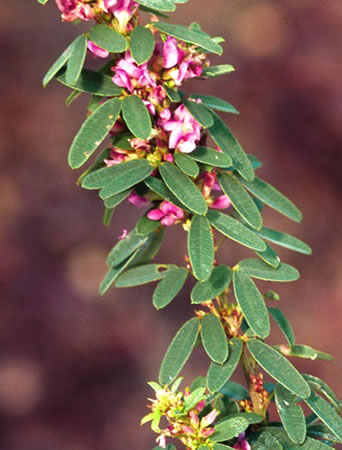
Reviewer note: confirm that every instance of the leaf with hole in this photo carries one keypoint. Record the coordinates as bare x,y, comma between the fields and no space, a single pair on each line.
144,274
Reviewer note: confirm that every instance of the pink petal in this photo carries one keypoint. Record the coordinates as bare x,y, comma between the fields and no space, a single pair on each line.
186,146
167,221
221,202
96,50
170,53
171,209
137,200
155,214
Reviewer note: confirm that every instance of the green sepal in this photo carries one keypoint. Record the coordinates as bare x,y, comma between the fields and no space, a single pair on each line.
179,351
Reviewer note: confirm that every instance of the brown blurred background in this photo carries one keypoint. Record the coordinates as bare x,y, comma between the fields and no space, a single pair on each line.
73,366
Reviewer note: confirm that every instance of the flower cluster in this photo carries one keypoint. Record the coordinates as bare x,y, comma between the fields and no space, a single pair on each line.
122,10
184,416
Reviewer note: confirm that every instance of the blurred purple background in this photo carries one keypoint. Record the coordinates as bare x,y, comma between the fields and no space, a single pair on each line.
74,366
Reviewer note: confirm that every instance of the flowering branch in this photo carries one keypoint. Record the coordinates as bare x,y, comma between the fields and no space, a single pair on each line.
158,158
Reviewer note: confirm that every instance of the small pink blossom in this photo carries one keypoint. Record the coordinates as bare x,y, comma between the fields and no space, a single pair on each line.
115,157
75,9
167,212
172,54
123,10
137,200
123,235
169,158
185,131
96,50
129,75
221,202
242,443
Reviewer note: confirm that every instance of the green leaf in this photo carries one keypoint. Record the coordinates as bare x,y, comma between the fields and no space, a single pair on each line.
218,282
266,441
195,397
125,247
120,178
234,391
279,368
218,374
91,82
326,413
214,338
93,132
199,112
235,230
201,247
108,39
186,164
306,352
216,103
173,94
283,324
251,303
211,157
269,256
309,444
183,188
136,117
150,248
144,274
192,37
251,417
42,2
228,143
285,240
320,431
222,447
114,200
273,198
145,226
179,351
217,71
76,60
258,269
291,414
240,199
200,381
158,186
142,44
229,428
159,5
113,274
322,388
58,64
169,287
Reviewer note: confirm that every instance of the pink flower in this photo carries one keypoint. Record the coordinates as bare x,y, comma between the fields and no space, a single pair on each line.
123,234
96,50
129,75
137,200
172,54
115,158
123,10
167,212
184,130
221,202
242,443
75,9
